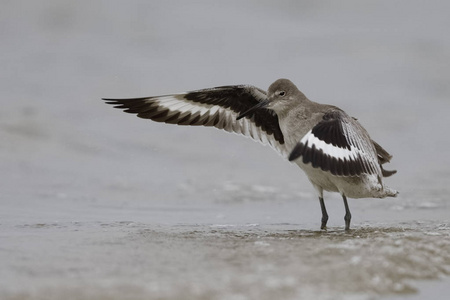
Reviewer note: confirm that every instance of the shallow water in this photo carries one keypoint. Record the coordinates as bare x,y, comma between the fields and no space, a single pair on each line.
126,260
97,204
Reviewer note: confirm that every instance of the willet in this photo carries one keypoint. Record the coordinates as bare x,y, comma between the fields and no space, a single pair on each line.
332,148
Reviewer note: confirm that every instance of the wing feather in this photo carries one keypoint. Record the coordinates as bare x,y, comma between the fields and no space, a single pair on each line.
216,107
340,145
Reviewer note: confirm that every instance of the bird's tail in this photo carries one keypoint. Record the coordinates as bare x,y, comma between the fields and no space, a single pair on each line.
387,173
383,157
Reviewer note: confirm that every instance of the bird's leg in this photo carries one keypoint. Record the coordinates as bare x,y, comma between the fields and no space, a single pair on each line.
324,214
348,215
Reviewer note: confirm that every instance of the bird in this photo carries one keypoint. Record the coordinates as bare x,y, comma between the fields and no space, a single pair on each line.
332,148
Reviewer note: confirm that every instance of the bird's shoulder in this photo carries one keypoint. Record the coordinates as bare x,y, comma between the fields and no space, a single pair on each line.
333,113
335,122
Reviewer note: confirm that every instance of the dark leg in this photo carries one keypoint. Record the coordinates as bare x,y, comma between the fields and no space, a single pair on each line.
348,215
324,214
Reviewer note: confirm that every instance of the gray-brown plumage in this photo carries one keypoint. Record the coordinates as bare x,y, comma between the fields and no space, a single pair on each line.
335,151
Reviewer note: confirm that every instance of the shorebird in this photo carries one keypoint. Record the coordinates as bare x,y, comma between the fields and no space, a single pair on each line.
332,148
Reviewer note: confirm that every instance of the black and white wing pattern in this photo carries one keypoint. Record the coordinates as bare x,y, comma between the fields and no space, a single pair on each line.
218,107
340,145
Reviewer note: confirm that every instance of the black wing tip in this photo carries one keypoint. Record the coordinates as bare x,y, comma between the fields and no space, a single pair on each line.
110,101
124,103
114,101
296,152
128,99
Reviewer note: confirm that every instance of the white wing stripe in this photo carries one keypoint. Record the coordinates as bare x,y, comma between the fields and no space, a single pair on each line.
193,108
328,149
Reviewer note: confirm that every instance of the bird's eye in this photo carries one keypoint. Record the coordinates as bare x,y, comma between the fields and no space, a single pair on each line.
281,93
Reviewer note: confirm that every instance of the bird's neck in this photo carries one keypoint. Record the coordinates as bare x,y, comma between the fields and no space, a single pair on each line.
297,120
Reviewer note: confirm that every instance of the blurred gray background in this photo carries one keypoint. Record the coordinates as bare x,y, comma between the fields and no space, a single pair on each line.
66,157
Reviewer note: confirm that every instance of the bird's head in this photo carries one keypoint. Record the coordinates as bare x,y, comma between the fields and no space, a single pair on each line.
281,96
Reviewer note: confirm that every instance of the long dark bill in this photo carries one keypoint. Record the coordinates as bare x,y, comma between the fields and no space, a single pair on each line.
251,110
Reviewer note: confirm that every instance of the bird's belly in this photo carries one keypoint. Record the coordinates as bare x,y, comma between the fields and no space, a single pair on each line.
362,186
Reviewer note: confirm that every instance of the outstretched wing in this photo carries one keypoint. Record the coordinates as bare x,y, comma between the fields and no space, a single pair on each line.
218,107
340,145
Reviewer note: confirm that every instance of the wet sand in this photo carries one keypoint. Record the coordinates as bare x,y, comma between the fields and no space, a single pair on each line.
127,260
